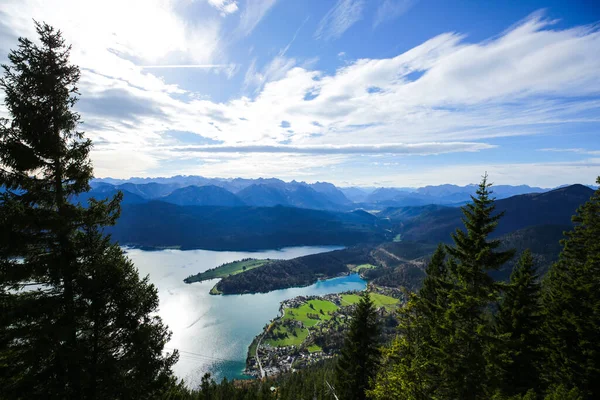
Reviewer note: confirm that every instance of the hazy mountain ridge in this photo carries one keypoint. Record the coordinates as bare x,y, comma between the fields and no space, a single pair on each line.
268,192
208,195
160,224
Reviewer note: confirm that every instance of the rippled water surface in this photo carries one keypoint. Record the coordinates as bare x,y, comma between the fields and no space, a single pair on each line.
213,333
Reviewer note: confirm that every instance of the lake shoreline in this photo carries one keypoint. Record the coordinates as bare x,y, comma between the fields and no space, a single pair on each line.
213,333
215,292
231,249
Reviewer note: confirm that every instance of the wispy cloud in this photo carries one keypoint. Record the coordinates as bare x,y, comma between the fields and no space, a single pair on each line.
550,174
199,66
390,148
253,12
573,150
444,95
392,9
275,69
339,19
455,97
225,6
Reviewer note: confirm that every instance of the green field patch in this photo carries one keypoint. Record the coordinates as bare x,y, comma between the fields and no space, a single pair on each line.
385,301
227,269
314,348
361,267
380,300
290,339
307,314
349,299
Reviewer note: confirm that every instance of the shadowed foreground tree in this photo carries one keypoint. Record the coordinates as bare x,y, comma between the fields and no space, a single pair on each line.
571,304
359,358
464,361
445,348
409,370
76,321
519,319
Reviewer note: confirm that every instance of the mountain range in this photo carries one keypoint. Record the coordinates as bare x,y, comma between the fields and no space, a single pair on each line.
200,191
164,224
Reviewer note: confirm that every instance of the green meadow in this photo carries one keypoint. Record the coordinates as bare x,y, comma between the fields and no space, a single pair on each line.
291,339
301,313
359,268
380,300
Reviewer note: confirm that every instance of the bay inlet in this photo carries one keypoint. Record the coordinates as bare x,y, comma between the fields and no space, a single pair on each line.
213,333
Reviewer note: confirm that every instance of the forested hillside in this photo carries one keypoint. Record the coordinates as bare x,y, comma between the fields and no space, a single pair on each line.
396,264
434,223
159,224
464,336
77,321
301,271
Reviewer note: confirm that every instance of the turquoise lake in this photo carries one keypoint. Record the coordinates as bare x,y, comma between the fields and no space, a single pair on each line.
213,333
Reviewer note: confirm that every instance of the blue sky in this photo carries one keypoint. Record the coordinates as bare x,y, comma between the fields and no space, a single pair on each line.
355,92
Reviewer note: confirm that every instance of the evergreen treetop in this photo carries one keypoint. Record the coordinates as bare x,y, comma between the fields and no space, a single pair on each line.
465,351
571,306
518,318
359,357
76,318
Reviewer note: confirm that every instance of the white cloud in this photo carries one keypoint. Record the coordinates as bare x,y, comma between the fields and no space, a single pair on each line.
225,6
276,69
526,81
160,33
392,9
256,165
390,148
339,19
198,66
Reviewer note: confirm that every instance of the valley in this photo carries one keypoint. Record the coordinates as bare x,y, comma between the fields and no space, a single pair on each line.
147,250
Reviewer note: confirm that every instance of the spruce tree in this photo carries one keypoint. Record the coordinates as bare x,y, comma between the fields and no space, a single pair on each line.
463,355
518,320
359,356
409,370
571,306
76,319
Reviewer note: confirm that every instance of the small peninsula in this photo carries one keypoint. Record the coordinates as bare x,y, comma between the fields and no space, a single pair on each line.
227,269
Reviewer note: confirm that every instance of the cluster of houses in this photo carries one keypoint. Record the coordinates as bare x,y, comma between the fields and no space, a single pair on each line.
278,359
275,360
